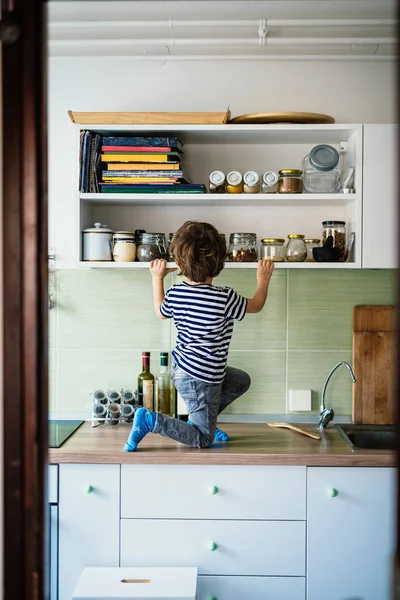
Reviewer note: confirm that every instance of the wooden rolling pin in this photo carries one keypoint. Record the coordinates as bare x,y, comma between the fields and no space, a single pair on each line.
314,436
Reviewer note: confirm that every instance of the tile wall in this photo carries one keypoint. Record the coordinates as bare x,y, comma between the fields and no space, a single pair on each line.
103,320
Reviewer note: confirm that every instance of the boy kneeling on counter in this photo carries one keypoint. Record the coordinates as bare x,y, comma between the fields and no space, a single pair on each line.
204,316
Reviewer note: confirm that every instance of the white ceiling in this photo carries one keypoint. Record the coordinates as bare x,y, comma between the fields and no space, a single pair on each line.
147,29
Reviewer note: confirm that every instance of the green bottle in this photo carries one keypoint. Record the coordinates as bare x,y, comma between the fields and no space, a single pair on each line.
163,393
146,384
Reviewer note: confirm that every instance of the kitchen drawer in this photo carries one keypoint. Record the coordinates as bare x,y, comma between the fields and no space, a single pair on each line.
254,588
275,548
213,492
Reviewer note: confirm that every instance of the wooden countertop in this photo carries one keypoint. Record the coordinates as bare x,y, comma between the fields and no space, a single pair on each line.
250,444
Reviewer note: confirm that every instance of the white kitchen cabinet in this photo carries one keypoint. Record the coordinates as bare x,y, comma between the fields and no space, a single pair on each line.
207,147
88,521
350,535
254,588
380,197
275,548
213,492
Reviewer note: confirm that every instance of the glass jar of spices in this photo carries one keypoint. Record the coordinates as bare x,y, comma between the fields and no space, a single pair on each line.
170,240
296,250
251,182
234,183
242,247
270,182
310,244
273,249
336,230
152,246
217,182
290,181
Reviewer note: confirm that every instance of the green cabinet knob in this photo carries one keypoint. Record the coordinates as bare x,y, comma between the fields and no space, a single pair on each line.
212,546
214,490
89,489
333,493
212,598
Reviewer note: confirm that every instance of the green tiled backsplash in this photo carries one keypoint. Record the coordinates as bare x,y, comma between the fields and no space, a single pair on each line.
104,319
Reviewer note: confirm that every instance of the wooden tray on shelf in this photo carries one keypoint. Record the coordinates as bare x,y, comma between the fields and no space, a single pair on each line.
150,118
282,118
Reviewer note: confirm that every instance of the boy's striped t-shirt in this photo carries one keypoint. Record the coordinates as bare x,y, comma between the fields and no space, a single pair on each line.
203,315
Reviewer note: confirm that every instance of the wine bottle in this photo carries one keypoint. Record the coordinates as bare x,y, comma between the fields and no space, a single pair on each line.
146,384
163,395
181,408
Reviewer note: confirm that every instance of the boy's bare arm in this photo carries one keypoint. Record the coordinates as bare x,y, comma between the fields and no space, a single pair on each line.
265,269
159,271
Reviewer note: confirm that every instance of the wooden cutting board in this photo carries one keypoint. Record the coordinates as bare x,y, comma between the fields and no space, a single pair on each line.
374,360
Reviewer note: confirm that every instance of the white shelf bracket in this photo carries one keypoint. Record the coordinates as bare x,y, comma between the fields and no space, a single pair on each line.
262,32
342,147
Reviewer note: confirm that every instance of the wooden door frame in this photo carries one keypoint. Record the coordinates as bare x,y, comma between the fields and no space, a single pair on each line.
25,250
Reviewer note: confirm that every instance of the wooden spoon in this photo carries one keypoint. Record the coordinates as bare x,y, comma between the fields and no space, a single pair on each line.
315,436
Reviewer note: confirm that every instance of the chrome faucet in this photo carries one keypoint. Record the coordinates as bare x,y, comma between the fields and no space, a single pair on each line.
327,414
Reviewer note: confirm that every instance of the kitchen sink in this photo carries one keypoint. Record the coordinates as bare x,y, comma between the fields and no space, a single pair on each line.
368,437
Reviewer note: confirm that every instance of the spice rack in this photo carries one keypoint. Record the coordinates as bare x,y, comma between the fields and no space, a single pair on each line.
230,147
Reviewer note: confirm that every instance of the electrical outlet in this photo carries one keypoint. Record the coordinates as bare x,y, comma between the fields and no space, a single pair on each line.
299,400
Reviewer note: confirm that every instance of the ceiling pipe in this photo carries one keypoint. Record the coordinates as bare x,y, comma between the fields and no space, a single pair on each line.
176,42
170,23
242,57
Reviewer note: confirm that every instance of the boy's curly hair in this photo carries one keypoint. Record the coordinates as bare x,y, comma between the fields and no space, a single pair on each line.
199,250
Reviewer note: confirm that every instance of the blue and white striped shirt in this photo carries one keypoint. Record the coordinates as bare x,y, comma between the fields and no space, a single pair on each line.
203,315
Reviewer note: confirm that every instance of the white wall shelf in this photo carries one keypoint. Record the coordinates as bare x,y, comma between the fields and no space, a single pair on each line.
227,148
228,265
239,134
293,200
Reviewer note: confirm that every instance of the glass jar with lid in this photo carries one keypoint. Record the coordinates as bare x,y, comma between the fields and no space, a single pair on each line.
170,240
124,248
270,182
321,170
273,249
310,244
296,250
243,247
251,182
290,181
337,231
152,246
234,183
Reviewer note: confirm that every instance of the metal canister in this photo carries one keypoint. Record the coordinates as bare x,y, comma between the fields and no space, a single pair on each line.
234,183
251,182
270,182
217,182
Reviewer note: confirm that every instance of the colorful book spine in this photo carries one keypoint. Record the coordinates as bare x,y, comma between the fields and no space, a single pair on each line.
174,174
143,167
134,148
142,142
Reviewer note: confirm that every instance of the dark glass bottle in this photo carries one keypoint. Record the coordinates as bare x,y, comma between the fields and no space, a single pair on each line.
146,384
163,394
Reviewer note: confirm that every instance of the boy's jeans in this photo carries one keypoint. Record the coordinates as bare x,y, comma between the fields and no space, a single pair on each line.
204,402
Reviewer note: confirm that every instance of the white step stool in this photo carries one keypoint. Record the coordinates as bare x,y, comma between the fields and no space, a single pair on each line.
137,583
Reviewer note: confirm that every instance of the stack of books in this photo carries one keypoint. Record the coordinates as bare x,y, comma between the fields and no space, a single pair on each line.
144,165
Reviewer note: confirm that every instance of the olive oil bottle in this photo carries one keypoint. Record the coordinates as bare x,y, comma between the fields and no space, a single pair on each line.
163,388
146,384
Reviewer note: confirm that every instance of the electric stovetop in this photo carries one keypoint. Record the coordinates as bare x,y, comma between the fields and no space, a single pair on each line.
60,431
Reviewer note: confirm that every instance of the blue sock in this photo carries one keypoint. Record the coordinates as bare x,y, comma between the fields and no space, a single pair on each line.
143,423
220,436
